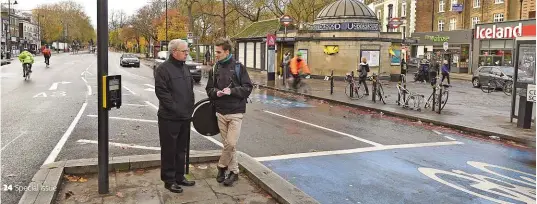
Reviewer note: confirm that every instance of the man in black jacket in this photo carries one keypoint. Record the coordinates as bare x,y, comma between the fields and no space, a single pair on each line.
228,88
174,87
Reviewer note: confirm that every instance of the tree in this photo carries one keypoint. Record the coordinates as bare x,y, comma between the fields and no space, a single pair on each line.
177,26
249,9
305,11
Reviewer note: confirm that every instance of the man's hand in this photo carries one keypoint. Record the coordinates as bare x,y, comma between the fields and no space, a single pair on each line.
227,91
220,93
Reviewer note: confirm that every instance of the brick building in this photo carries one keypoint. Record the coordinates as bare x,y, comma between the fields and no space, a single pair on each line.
439,15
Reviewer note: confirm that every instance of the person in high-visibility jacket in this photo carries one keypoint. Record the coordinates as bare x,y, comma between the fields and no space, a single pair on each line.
296,64
26,58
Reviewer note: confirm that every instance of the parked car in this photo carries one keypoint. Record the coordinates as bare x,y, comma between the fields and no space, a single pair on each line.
485,73
194,67
129,60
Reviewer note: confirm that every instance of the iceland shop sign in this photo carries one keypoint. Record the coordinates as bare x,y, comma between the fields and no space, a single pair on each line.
507,30
347,26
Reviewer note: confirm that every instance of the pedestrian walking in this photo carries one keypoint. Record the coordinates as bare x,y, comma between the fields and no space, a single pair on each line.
174,87
207,57
445,71
363,69
228,88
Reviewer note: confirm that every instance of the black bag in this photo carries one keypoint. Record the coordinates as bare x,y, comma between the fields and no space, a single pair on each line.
204,118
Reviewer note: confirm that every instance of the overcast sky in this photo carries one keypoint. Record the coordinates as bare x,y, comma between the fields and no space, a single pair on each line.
90,6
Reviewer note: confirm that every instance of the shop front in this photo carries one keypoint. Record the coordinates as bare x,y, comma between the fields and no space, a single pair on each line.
430,44
494,43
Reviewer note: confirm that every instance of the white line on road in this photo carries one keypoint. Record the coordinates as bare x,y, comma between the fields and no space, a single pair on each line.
192,128
152,105
129,119
202,92
129,90
357,150
52,157
150,85
450,138
84,79
120,145
89,90
328,129
53,87
437,132
208,137
138,105
22,133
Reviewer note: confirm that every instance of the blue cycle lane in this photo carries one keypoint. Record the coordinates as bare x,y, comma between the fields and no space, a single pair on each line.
471,171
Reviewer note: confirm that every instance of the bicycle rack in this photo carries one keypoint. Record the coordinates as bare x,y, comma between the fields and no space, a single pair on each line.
332,82
352,85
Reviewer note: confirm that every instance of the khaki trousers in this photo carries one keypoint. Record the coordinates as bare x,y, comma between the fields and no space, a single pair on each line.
230,129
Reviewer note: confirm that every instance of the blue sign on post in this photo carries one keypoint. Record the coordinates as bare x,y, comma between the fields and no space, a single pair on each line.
458,7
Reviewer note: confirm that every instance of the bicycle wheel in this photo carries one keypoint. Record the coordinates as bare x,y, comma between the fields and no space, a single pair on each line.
488,87
429,102
304,88
380,93
508,88
445,96
355,92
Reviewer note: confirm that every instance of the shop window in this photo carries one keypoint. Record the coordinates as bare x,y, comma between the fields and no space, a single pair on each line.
507,58
485,61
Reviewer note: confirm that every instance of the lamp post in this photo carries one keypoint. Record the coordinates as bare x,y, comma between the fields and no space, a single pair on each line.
8,40
166,23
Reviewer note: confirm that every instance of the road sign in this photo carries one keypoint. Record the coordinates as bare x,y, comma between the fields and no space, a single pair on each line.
530,93
271,40
395,22
286,20
457,8
446,46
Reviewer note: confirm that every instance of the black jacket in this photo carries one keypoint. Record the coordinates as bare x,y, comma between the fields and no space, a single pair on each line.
174,87
362,70
225,76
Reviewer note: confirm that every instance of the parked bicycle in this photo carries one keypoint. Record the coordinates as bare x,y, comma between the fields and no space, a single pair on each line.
496,83
407,98
377,88
441,95
352,90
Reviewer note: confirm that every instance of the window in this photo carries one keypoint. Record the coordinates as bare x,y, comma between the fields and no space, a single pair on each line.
477,3
403,9
379,16
531,14
441,6
498,1
498,17
453,24
453,2
475,20
441,25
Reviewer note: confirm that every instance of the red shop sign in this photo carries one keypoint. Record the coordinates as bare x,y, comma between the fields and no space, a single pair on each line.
498,32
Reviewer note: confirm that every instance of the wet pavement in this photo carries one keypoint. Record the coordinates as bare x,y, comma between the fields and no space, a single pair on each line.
467,106
144,186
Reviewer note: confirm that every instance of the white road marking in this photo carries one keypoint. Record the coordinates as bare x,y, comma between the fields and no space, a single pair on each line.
129,90
89,90
129,119
54,85
138,105
120,145
208,137
357,150
151,104
437,132
52,157
150,85
149,89
42,94
450,138
192,128
328,129
22,133
201,92
84,79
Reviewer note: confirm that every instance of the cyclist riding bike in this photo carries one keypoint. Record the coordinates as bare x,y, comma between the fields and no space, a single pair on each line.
47,53
295,65
26,58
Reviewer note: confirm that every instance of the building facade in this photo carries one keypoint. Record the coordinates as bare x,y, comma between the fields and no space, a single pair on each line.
403,10
29,34
449,15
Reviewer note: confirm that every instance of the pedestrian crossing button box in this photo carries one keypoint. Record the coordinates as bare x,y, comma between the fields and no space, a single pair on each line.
113,92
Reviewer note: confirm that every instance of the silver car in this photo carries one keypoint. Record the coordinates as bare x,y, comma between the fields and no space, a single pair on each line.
129,60
194,67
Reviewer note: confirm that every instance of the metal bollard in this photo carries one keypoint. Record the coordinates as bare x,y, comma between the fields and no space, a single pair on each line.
440,102
434,97
332,82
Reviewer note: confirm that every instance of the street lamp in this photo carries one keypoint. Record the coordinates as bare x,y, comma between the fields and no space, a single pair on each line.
8,40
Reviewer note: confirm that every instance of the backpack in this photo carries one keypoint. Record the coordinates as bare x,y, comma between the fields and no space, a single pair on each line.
367,67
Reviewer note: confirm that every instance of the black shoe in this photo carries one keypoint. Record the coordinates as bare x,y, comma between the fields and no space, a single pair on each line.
367,94
231,178
221,176
185,182
173,187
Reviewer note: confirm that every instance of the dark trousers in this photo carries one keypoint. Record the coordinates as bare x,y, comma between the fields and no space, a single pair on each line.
296,81
47,58
173,142
445,75
361,80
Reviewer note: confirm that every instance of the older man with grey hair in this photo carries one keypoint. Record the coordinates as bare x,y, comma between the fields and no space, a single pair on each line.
174,87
